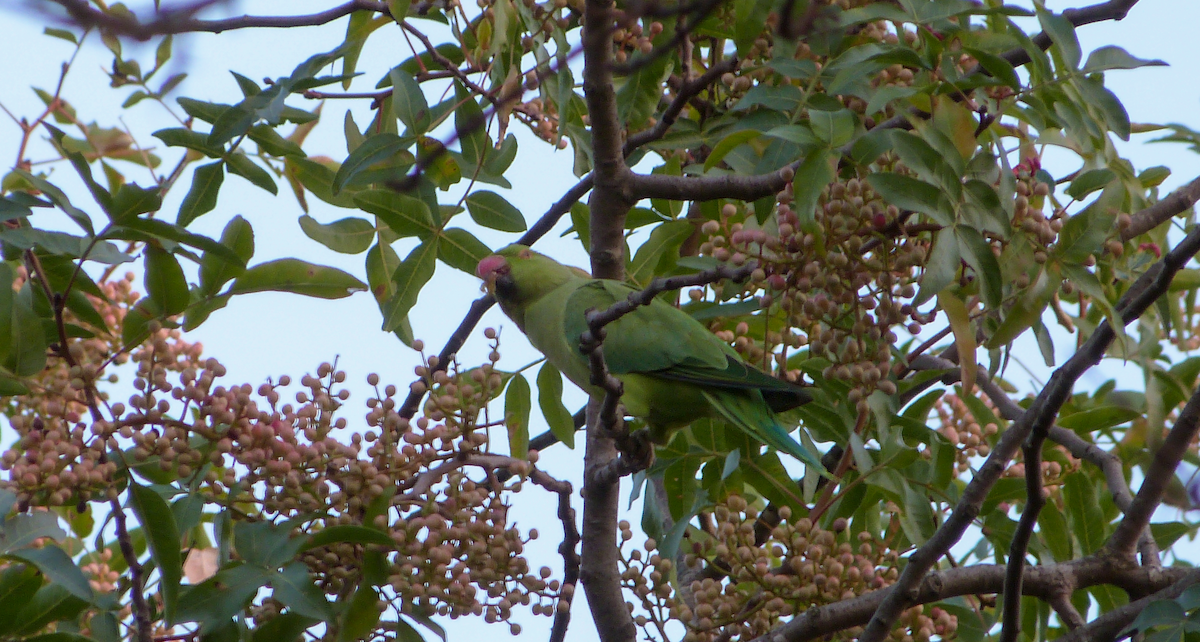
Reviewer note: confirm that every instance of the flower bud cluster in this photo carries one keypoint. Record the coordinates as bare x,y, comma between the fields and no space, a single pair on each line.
959,426
741,577
841,288
285,451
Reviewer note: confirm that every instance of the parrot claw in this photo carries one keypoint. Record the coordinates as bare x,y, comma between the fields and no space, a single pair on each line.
637,448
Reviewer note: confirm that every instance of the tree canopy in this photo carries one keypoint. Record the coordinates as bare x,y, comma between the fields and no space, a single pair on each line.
858,197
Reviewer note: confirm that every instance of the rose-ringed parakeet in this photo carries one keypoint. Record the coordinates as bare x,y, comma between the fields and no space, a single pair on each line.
673,369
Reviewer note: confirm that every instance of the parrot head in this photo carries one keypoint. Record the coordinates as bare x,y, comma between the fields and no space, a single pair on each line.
517,276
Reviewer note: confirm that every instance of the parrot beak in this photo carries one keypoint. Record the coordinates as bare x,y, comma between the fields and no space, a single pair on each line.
489,269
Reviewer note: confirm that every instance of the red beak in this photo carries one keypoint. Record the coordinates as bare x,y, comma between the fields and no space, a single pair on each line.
489,266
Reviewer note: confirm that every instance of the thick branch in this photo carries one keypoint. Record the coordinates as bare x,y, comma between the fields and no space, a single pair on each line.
709,188
1043,582
608,207
183,20
1109,625
1108,463
1164,210
1039,417
1166,460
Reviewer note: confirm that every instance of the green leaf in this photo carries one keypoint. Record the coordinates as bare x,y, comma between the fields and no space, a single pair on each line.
207,112
550,389
162,536
318,179
1062,33
728,144
374,149
1096,419
351,235
165,282
294,586
215,269
351,533
1090,181
51,603
639,94
62,34
749,17
964,335
219,598
266,544
18,584
131,200
1085,232
297,277
410,276
909,193
664,242
516,416
811,178
834,128
460,249
136,326
1026,310
237,120
1083,510
1112,57
202,195
977,252
942,267
405,215
285,627
408,101
996,66
23,529
471,128
27,345
60,199
241,165
184,137
64,244
58,567
490,209
270,142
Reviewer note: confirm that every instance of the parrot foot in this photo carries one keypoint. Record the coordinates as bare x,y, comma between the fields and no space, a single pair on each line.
637,448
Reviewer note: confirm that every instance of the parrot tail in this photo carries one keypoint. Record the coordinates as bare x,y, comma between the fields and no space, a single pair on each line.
753,417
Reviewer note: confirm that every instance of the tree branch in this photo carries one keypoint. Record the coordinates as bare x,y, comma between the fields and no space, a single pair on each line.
566,514
1038,418
1044,582
1019,546
1108,463
183,21
1166,460
1164,210
1109,625
688,91
608,207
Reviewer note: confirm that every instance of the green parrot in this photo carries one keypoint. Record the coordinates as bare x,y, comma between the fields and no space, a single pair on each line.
673,369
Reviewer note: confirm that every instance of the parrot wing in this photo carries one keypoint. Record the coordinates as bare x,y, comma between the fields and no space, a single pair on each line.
664,342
